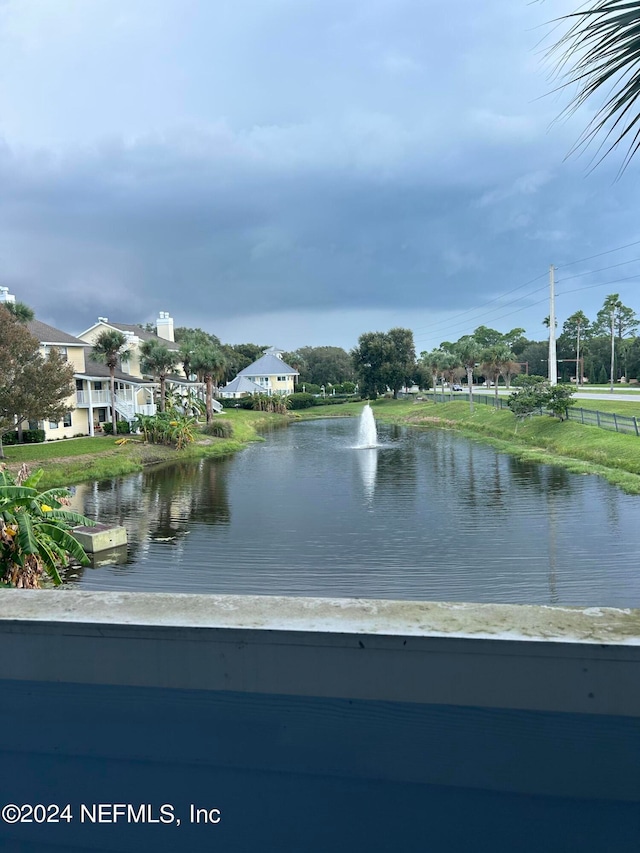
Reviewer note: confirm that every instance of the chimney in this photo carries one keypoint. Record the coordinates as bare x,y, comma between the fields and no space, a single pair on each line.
164,326
103,319
5,296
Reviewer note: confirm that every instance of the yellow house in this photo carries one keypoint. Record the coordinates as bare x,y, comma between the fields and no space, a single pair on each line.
269,374
90,402
135,336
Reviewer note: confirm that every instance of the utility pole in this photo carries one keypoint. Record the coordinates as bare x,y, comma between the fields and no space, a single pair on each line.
553,364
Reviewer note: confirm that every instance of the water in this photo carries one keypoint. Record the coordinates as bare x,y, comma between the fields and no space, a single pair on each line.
425,516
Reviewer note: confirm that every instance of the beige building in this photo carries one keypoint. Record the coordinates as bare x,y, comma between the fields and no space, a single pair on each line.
90,403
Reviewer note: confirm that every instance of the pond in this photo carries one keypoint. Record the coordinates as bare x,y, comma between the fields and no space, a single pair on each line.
427,515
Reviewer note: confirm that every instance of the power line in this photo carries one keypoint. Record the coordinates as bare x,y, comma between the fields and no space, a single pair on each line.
484,313
601,269
599,255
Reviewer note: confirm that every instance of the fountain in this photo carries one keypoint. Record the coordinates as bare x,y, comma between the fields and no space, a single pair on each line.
367,434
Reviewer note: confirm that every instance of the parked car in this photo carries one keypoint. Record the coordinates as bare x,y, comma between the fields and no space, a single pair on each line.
457,388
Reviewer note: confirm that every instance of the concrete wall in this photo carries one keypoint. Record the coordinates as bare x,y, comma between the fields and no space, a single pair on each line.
346,721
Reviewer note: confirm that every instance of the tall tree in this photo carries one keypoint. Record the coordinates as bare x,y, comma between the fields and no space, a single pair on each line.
493,361
384,360
576,327
469,351
158,361
31,388
208,361
110,348
618,321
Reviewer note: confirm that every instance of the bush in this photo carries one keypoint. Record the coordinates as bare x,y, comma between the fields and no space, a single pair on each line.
123,427
29,436
219,428
301,401
524,380
239,403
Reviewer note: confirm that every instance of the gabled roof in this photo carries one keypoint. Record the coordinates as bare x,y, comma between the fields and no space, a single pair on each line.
49,335
98,370
268,365
138,331
242,385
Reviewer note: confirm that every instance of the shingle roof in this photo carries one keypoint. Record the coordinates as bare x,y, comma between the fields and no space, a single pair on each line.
268,365
143,334
49,335
96,368
242,385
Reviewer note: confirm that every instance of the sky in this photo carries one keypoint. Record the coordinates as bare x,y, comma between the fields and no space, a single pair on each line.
298,172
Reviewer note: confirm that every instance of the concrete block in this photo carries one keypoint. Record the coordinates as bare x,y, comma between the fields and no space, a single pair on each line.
101,537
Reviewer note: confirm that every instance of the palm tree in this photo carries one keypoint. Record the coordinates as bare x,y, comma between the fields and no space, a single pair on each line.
600,50
110,347
158,360
493,361
577,323
469,350
433,361
209,362
20,311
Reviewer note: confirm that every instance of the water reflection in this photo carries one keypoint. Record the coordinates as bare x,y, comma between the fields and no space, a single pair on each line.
428,515
367,458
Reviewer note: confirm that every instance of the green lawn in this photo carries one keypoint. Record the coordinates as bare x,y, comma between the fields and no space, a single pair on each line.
56,449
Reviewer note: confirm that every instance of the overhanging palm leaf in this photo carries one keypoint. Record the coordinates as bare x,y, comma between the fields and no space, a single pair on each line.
602,47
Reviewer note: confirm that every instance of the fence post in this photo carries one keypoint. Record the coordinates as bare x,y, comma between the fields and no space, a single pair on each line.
582,414
615,421
598,417
635,423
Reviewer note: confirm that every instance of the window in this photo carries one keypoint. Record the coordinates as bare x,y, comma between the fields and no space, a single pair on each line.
66,421
97,386
53,424
282,378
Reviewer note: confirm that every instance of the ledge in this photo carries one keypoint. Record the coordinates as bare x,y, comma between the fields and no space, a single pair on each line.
595,625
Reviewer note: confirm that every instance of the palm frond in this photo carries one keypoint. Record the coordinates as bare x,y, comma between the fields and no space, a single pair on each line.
601,49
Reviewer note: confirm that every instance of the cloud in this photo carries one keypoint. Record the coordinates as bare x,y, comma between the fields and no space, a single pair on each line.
319,165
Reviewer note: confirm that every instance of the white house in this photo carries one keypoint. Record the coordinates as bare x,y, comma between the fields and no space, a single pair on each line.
268,375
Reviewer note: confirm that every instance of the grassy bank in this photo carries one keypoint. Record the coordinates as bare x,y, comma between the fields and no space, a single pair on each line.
79,459
581,449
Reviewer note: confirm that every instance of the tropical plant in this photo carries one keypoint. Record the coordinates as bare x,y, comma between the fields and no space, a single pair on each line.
274,403
20,311
35,526
432,362
158,361
493,361
600,49
173,428
468,350
576,325
209,362
110,347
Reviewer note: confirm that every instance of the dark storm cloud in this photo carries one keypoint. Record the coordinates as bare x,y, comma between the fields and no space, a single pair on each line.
281,157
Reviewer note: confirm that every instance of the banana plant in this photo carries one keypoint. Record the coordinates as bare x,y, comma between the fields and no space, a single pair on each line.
35,536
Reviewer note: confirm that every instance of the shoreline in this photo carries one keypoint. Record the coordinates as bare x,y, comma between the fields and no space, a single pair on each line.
576,447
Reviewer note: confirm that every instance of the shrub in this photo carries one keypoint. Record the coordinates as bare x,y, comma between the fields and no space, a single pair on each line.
301,401
29,436
123,427
524,380
219,428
